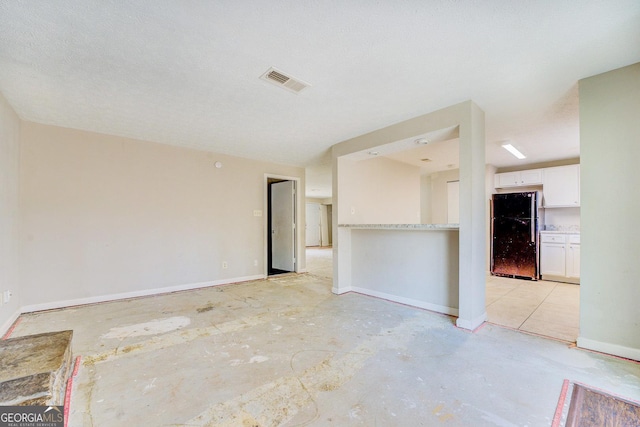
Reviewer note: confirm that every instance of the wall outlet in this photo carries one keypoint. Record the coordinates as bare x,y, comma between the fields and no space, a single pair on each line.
353,211
255,262
224,264
6,296
257,213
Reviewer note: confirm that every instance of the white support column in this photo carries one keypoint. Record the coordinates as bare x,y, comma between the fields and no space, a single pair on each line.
472,312
342,262
341,242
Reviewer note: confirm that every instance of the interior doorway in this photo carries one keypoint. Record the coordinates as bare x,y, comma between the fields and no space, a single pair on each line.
281,226
313,225
317,224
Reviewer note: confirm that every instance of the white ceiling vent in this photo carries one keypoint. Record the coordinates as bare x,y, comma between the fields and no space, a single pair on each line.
279,78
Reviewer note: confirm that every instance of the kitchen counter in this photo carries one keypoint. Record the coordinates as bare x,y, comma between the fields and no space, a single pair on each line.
413,264
414,227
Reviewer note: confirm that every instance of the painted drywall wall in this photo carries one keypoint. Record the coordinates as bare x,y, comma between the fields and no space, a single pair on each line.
562,219
439,194
325,218
425,272
426,199
9,212
105,215
379,191
610,208
322,201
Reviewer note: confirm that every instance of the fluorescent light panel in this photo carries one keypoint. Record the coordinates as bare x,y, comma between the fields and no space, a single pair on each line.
513,150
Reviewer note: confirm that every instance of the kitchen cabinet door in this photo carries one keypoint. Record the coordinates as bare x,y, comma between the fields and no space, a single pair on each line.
552,259
507,179
573,261
561,186
519,178
531,177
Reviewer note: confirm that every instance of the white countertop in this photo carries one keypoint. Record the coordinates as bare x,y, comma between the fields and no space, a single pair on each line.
417,227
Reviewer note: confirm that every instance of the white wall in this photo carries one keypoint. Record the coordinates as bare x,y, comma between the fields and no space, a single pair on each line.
425,267
438,193
610,208
325,219
9,212
105,215
426,199
322,201
562,219
378,191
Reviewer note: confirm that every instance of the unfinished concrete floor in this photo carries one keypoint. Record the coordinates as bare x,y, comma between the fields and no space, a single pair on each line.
286,351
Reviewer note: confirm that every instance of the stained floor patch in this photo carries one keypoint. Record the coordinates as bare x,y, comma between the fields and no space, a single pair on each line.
156,326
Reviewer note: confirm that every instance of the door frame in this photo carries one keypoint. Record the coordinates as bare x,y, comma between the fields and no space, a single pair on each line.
299,218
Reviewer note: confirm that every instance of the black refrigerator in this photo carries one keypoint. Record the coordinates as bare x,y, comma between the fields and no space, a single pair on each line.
514,235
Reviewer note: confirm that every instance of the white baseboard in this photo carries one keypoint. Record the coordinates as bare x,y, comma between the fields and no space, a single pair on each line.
6,325
408,301
473,323
341,291
135,294
604,347
563,279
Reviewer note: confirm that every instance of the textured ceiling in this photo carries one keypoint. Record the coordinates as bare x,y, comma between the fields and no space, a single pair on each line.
187,72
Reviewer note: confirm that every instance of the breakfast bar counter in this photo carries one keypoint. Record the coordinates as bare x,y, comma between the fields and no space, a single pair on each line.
414,264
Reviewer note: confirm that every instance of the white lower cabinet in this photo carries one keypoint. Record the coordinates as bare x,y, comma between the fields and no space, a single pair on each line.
573,257
560,257
552,259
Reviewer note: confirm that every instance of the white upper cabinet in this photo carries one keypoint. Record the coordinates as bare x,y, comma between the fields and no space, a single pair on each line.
561,186
507,179
518,179
531,177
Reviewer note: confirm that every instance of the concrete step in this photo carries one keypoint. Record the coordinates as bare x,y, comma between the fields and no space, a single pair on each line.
34,369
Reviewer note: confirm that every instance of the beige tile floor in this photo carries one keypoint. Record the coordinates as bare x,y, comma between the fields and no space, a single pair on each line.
545,308
541,307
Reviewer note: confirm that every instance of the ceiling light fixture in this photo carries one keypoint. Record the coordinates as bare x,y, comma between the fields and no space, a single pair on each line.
422,141
513,150
373,153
